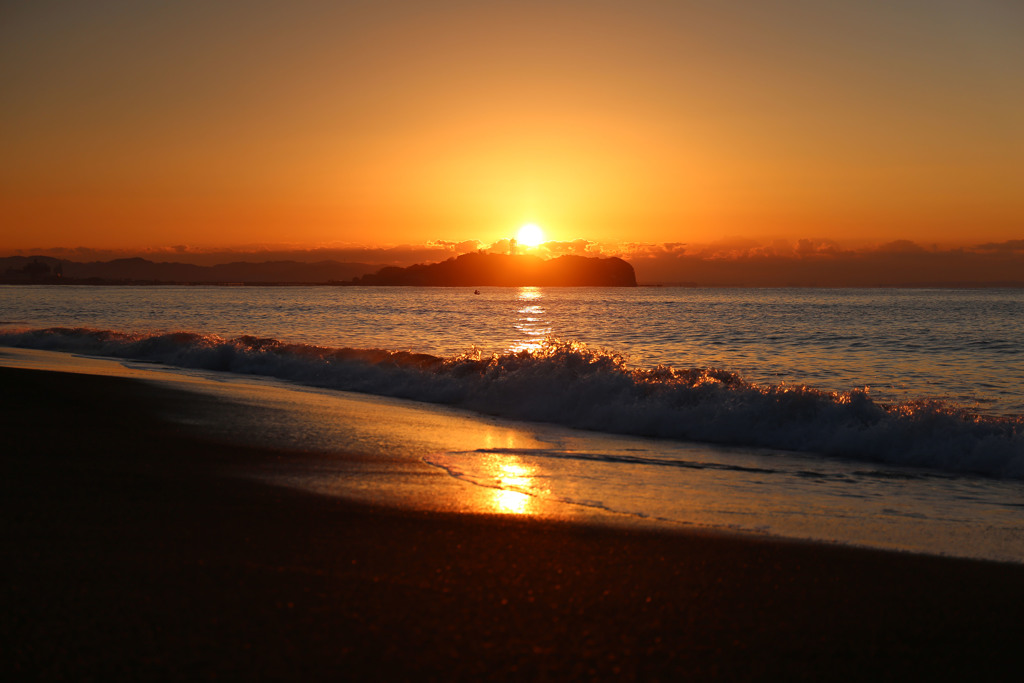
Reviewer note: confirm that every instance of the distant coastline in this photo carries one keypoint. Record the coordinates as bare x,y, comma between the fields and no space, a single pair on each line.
469,270
136,272
36,270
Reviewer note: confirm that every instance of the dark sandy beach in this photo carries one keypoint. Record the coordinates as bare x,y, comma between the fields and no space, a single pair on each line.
131,552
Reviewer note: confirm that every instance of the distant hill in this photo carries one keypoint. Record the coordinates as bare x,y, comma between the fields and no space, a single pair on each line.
140,270
480,269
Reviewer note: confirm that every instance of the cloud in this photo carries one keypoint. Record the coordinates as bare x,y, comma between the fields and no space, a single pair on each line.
1009,246
901,247
812,247
579,247
463,247
825,263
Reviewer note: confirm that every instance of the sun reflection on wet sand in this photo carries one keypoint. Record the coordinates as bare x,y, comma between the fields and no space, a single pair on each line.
530,321
511,479
511,502
500,483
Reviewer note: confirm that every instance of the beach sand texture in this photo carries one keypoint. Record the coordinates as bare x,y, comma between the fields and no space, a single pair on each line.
134,552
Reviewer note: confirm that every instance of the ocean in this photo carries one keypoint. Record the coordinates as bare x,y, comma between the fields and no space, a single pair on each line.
878,417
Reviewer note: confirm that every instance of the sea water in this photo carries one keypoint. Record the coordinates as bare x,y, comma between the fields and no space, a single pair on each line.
889,418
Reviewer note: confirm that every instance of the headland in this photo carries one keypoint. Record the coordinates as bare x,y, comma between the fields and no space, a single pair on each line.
479,269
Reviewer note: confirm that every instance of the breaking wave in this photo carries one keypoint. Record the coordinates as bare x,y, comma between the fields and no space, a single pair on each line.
569,384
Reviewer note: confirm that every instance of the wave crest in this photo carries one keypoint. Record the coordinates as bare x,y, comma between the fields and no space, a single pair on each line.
567,383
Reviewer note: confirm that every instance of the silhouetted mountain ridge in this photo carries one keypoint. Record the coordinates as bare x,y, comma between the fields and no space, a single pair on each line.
137,269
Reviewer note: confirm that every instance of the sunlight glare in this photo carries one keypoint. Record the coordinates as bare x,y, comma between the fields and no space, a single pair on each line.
530,235
531,322
512,479
507,502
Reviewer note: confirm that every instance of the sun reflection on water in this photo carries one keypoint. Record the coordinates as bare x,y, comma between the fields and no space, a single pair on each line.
530,321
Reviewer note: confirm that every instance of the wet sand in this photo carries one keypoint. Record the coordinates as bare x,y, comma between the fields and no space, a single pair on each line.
133,552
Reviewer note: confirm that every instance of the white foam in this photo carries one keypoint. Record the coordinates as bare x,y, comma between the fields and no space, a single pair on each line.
566,383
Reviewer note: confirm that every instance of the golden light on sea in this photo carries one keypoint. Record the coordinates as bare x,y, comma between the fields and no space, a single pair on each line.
531,322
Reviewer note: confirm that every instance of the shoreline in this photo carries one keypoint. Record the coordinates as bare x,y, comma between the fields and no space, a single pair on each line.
135,553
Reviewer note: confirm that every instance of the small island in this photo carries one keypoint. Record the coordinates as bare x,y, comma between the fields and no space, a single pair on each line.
479,269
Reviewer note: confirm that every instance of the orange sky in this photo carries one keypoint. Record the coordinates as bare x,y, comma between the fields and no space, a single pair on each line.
145,124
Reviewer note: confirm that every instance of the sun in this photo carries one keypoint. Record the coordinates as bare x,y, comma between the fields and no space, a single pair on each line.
530,235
